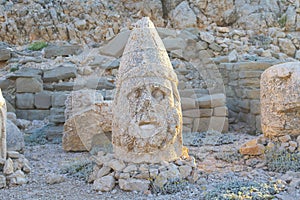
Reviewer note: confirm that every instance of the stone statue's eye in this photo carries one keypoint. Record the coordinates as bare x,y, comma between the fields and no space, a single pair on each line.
158,94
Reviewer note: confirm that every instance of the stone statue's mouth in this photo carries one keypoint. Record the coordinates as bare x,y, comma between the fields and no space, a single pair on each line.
147,125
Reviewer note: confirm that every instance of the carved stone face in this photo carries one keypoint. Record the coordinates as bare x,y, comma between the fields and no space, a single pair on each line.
148,119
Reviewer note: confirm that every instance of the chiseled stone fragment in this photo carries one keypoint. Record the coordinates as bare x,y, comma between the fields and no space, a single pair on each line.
88,121
280,100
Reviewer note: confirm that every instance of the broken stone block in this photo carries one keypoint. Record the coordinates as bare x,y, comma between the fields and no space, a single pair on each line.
280,100
104,184
116,46
60,73
90,128
81,107
14,138
252,148
62,50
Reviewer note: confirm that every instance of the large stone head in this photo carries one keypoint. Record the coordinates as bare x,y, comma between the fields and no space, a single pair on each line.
147,119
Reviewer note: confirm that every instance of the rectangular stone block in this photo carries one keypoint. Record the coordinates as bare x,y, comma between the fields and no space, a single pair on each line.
258,123
255,107
187,120
42,100
252,94
242,66
250,74
4,54
59,99
253,82
244,105
57,115
206,112
186,129
194,113
211,101
32,114
62,50
221,111
200,124
30,85
60,73
25,100
188,103
213,123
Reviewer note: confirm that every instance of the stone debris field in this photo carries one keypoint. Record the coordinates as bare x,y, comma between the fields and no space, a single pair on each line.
150,99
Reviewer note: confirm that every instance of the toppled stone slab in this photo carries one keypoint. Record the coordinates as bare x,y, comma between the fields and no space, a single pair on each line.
60,73
116,46
62,50
280,100
26,72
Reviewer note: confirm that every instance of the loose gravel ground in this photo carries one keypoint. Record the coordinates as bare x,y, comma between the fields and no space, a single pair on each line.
51,159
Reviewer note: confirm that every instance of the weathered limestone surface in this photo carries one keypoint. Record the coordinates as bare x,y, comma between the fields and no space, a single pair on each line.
280,100
147,119
88,121
2,127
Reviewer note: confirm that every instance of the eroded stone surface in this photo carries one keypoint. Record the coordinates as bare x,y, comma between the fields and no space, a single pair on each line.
280,100
88,121
2,127
147,123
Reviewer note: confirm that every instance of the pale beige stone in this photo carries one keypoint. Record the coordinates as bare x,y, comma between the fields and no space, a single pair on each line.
280,100
88,121
89,128
104,184
2,127
8,167
147,119
134,184
252,148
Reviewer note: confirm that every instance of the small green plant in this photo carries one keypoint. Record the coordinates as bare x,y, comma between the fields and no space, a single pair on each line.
280,160
172,186
13,69
36,46
79,169
282,20
244,189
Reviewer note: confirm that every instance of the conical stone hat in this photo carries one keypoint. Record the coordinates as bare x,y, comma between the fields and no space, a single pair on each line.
145,55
